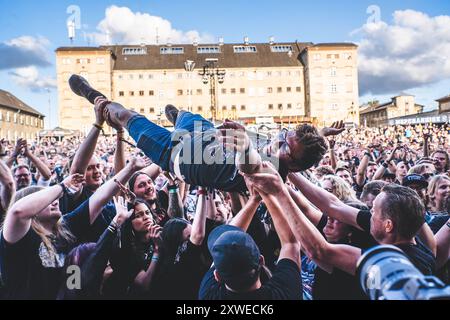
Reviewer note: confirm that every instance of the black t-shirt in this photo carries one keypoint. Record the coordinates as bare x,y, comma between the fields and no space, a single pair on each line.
91,233
285,284
29,271
419,254
181,280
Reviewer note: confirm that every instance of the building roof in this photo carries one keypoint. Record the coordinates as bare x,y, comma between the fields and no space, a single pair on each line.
227,58
444,99
10,101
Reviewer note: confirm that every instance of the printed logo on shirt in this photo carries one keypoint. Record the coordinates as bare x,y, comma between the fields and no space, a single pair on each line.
49,259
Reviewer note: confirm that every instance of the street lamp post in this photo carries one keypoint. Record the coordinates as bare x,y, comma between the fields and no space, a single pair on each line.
212,74
49,110
189,66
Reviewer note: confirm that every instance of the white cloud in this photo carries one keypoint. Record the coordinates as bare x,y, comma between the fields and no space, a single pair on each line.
24,51
123,26
30,78
411,52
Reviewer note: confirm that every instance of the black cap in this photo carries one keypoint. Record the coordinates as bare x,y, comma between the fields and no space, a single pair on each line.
415,179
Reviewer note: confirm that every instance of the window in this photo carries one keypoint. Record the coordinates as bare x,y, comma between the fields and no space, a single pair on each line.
171,50
15,117
289,106
269,90
134,51
243,108
288,89
1,116
281,48
179,76
199,108
67,61
224,91
121,93
131,93
336,56
270,106
150,77
83,61
280,106
333,72
141,76
242,90
233,90
329,56
334,106
199,92
333,88
233,108
347,56
100,60
141,93
224,108
180,92
152,110
279,89
317,57
142,110
244,49
214,49
269,73
120,77
151,93
298,89
131,77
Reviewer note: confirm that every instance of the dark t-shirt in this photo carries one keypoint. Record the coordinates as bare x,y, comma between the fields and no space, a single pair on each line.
90,233
208,164
29,271
285,284
181,280
419,254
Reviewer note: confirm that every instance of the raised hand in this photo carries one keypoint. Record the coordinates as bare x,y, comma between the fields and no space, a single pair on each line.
100,103
122,212
267,181
129,195
139,163
74,182
21,144
2,147
332,143
234,136
154,235
336,128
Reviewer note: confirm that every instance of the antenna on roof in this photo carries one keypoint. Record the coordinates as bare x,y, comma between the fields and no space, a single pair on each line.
221,41
271,40
246,40
71,30
195,42
107,37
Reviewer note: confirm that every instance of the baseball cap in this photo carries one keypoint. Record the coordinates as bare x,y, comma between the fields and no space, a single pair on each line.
234,252
415,179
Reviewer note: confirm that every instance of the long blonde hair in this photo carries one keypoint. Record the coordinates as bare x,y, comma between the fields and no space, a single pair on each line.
432,187
59,230
341,189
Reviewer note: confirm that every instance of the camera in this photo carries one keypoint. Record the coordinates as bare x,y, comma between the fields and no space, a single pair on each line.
385,273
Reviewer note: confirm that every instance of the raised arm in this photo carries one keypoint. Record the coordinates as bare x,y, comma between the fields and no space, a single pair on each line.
305,206
7,188
362,169
87,148
176,208
199,225
18,149
333,154
119,155
244,217
313,243
18,219
443,245
43,169
106,192
290,246
325,201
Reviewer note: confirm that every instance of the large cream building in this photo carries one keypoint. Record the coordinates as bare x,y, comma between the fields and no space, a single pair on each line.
279,82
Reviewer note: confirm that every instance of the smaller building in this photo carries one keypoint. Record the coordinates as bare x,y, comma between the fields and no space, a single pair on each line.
444,104
378,115
17,119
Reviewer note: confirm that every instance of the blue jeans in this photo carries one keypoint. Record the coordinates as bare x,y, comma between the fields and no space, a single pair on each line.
157,142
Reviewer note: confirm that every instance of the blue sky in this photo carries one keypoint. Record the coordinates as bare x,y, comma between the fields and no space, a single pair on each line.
315,21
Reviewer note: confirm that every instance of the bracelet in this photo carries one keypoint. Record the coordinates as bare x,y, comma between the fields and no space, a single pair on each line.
64,188
155,258
99,127
448,224
385,164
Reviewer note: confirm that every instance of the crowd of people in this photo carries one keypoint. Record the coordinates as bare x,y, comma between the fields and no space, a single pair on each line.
280,218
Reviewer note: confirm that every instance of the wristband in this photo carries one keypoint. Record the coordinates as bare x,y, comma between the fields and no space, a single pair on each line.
99,127
173,190
64,188
385,164
172,187
155,258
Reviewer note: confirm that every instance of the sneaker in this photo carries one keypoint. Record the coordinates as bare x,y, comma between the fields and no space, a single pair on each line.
82,88
171,113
